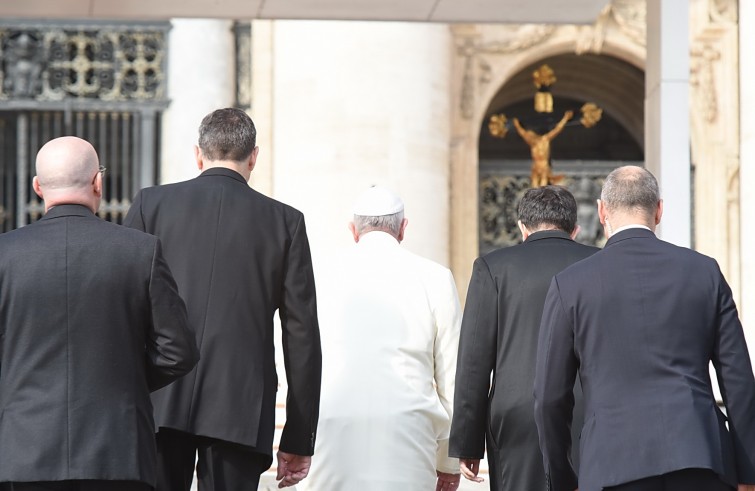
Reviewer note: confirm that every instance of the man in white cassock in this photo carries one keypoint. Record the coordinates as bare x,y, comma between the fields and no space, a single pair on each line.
390,329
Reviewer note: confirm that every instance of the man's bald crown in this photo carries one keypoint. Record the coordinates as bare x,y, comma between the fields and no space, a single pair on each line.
66,163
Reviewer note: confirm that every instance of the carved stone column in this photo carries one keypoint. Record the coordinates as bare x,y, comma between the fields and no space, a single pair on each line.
667,113
201,79
714,85
747,175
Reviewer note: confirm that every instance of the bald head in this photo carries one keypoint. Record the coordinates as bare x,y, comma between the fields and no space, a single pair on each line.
66,162
630,195
67,173
631,189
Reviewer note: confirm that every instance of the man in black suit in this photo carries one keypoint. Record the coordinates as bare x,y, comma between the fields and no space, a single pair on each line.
90,323
237,256
640,321
499,334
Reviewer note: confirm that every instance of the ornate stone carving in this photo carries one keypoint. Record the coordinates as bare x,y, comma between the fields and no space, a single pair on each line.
23,61
631,17
714,95
723,11
499,197
477,70
628,16
56,63
702,77
501,188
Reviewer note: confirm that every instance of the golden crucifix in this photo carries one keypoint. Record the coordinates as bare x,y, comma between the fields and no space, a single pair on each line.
540,144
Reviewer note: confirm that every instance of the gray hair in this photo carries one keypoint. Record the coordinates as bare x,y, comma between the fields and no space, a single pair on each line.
383,223
631,188
227,134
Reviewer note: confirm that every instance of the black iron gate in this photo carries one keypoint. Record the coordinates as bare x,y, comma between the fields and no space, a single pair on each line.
115,135
100,81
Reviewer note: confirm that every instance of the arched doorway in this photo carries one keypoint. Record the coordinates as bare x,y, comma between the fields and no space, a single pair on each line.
583,156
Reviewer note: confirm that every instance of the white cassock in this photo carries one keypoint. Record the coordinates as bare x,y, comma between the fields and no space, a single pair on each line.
389,322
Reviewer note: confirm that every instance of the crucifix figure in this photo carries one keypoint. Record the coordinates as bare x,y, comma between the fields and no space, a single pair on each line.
540,144
540,148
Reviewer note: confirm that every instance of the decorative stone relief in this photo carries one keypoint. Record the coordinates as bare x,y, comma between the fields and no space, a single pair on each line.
702,78
477,70
714,99
501,189
55,63
723,11
631,18
627,16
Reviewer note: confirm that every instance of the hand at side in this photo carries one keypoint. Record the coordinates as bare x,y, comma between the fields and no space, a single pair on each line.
447,482
292,468
470,468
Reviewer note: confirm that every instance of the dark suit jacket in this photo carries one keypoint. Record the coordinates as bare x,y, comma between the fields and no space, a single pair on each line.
90,322
640,321
238,256
499,334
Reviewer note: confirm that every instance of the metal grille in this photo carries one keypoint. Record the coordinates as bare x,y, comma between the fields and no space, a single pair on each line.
503,182
115,136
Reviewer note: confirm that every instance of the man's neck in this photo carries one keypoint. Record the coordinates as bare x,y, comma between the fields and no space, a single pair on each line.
226,164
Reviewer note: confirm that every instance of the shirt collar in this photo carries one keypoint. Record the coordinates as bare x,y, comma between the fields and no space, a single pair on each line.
377,238
627,227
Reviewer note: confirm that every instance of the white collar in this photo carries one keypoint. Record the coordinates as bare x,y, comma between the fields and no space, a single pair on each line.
627,227
377,237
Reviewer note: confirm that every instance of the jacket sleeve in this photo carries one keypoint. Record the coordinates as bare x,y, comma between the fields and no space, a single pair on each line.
171,348
476,360
301,347
134,218
447,320
735,379
555,370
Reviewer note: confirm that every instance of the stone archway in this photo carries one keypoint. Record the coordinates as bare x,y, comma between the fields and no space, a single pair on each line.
582,157
490,57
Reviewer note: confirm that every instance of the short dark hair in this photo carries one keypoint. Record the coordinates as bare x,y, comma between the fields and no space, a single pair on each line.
548,206
227,134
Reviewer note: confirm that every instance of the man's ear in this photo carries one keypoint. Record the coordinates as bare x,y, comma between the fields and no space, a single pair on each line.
354,232
253,158
98,185
659,212
601,211
574,234
523,230
198,157
37,189
401,229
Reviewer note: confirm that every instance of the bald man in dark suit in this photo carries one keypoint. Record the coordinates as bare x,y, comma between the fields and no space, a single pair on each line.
640,322
90,323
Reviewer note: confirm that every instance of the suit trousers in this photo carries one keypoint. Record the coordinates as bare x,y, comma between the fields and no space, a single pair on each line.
76,485
220,465
683,480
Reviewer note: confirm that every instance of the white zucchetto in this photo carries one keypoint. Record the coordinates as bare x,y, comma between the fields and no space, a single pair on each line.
377,201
